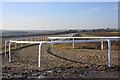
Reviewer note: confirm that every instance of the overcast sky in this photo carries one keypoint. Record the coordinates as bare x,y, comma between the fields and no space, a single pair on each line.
59,15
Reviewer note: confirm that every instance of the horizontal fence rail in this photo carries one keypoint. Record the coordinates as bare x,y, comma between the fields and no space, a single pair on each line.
41,38
45,38
27,38
80,37
75,41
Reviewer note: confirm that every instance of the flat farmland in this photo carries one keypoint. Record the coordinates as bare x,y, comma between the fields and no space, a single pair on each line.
108,34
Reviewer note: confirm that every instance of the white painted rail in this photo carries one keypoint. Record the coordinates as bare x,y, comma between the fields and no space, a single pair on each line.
109,39
82,37
41,38
52,38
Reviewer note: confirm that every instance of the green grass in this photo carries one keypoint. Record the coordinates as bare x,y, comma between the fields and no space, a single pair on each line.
2,51
13,48
61,46
85,35
115,32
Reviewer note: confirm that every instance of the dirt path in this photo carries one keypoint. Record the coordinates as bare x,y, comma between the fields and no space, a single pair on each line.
60,63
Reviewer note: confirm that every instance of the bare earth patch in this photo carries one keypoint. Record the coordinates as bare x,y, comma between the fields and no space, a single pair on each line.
60,63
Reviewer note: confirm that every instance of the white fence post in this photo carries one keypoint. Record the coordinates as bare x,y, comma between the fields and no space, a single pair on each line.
27,40
102,45
42,39
5,47
45,38
39,60
10,52
51,43
73,43
15,45
21,43
38,39
109,52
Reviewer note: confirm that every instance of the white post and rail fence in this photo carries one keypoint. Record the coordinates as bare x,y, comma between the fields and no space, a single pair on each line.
50,40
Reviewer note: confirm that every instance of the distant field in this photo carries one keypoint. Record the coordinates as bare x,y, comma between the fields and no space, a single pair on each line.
19,45
115,32
107,34
95,45
92,45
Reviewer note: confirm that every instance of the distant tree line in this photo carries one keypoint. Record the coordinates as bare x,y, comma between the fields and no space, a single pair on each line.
90,30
